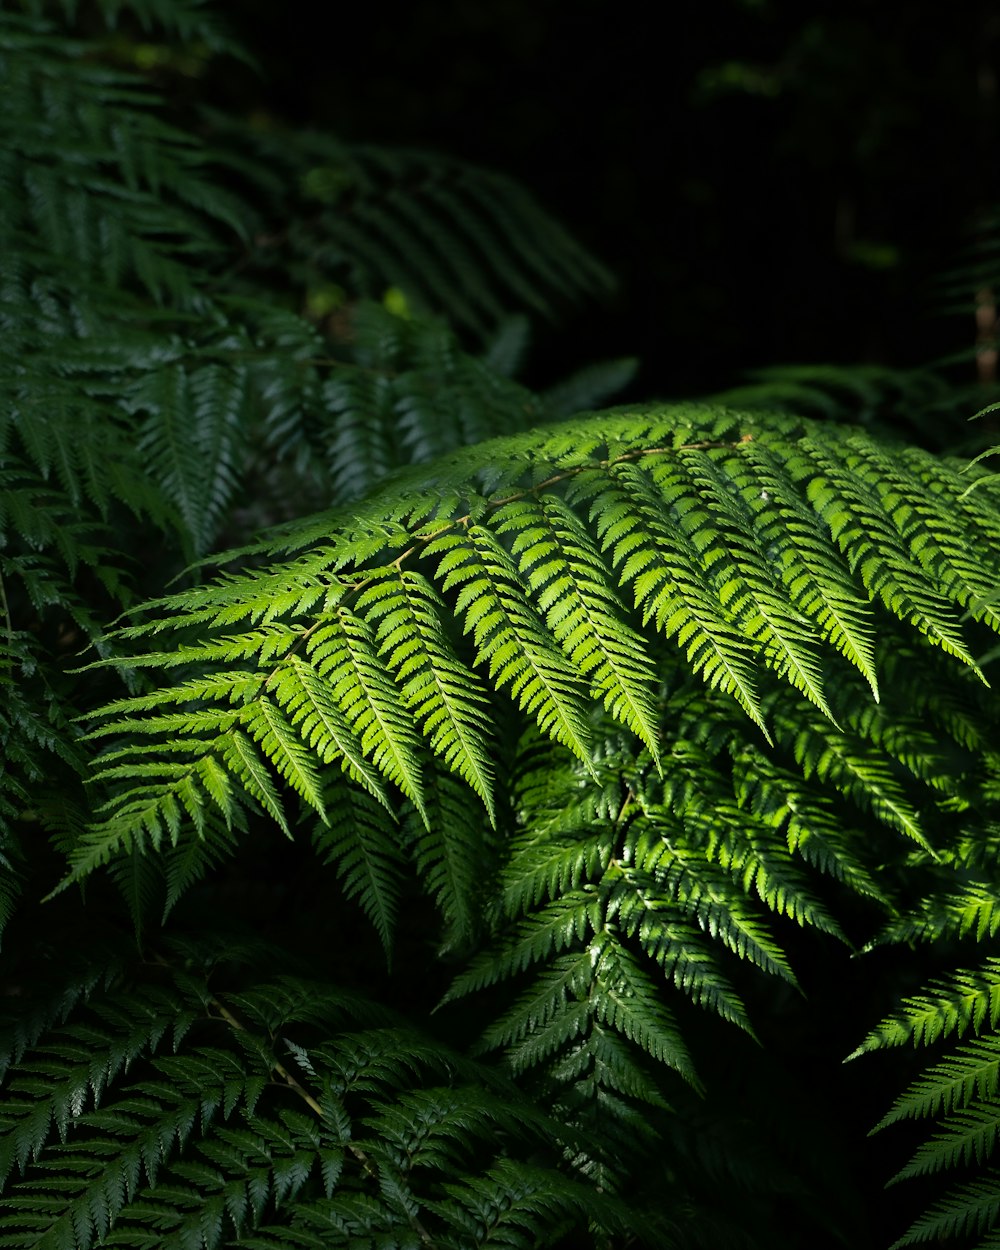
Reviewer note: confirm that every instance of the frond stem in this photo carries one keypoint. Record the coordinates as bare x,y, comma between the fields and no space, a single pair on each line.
5,607
297,1087
493,504
626,803
607,464
234,1022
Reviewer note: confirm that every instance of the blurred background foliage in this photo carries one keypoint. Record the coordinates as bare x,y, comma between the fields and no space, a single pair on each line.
771,182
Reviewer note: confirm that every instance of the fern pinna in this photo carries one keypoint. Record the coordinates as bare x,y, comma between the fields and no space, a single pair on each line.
609,690
581,741
152,406
174,1122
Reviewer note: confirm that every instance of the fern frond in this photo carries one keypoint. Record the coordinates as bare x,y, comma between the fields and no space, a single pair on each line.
452,237
971,1073
704,892
408,395
286,751
191,438
362,844
345,653
589,388
969,1135
849,499
849,765
510,637
561,567
449,843
599,984
821,592
632,700
191,1127
550,866
564,922
439,691
668,584
684,956
613,881
627,1000
960,1093
966,1000
969,1210
512,1205
875,397
973,909
738,562
814,830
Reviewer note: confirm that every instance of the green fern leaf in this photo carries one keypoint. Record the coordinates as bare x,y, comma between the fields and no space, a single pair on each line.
971,1073
668,583
970,1209
562,568
708,895
285,749
510,638
723,528
449,846
344,653
244,763
966,1000
323,725
439,691
855,512
626,999
362,843
683,956
970,1134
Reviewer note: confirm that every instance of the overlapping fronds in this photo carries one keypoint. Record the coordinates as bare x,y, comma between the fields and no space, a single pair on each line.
959,1093
278,1113
692,611
590,721
143,401
114,228
680,868
397,392
140,220
757,551
133,374
449,237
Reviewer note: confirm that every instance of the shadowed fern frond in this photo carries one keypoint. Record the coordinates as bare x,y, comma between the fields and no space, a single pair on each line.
279,1113
959,1093
450,237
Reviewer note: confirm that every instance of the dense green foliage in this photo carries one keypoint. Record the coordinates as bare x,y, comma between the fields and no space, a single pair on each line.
425,803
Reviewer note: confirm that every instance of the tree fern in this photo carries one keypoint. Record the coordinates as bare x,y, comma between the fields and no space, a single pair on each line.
606,729
691,868
351,613
453,238
169,1108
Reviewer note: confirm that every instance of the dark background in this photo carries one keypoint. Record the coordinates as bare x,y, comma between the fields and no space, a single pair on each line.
772,181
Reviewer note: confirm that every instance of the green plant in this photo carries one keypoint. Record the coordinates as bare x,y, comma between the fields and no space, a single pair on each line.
422,870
